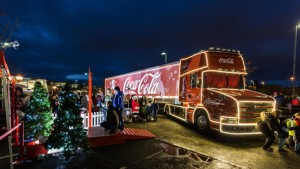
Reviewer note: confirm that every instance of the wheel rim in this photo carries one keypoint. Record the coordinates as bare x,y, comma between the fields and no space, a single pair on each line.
201,122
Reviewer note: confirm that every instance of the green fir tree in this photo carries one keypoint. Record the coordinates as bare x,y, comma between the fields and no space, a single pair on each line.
68,132
38,114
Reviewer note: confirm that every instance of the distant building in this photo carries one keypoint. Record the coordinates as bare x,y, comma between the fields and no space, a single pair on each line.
28,83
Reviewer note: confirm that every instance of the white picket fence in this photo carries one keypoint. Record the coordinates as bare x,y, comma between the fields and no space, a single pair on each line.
97,118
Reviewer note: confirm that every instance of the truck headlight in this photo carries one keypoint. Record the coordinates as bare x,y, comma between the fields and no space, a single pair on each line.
229,120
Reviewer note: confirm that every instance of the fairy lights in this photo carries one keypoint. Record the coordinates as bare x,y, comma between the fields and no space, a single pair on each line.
215,63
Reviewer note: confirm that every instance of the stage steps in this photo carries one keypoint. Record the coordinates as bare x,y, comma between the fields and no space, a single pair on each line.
98,136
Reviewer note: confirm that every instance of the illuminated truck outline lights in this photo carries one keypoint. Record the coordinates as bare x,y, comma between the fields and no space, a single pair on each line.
227,107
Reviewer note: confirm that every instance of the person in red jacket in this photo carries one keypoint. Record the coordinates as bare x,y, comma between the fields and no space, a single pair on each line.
135,107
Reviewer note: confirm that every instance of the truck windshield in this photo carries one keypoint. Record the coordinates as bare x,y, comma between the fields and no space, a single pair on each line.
223,80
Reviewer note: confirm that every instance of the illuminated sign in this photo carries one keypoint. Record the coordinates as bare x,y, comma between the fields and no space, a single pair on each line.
226,61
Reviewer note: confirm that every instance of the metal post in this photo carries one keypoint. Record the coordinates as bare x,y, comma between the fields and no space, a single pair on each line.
294,62
166,56
8,115
13,109
90,98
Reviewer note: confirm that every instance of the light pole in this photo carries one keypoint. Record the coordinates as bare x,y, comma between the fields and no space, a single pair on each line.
294,62
292,79
166,56
252,84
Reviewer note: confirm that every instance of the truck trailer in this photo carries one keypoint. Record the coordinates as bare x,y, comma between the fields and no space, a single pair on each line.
207,89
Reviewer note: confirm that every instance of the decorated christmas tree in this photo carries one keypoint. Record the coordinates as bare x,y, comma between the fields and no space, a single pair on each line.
38,113
68,132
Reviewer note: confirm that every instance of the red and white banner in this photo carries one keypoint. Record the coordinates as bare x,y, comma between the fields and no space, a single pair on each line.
155,81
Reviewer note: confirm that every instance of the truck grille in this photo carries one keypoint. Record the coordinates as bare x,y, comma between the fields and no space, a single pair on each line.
250,111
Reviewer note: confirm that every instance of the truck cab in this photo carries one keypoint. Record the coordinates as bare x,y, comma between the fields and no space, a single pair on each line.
213,94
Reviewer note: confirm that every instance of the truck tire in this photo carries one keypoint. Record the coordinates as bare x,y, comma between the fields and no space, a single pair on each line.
202,122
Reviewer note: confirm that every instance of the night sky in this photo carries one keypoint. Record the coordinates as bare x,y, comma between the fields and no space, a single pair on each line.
59,39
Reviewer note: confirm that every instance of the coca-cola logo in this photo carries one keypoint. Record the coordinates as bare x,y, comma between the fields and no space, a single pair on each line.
215,102
226,61
142,86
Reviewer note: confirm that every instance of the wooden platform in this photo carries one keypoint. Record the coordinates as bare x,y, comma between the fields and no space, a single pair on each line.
98,136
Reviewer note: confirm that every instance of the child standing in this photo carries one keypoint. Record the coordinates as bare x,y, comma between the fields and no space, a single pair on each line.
297,132
135,107
290,140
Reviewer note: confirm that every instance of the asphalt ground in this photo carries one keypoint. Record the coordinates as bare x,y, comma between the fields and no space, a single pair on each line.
177,145
136,154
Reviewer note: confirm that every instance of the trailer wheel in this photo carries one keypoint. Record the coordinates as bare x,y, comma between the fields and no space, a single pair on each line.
202,122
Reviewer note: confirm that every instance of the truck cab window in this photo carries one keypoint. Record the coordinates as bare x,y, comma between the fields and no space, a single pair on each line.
195,80
223,80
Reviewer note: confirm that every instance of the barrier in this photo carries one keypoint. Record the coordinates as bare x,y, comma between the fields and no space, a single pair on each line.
97,118
10,131
21,141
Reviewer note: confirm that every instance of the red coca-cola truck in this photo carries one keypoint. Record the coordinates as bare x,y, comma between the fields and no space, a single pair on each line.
206,89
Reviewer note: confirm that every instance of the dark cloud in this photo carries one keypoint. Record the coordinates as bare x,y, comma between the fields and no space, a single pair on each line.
61,39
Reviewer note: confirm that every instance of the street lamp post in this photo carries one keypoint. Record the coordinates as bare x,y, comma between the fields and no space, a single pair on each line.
166,56
294,61
252,82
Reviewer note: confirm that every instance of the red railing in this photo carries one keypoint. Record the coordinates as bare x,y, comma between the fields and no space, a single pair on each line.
21,138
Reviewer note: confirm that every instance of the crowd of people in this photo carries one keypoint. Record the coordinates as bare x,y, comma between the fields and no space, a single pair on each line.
291,104
284,121
287,129
118,104
126,107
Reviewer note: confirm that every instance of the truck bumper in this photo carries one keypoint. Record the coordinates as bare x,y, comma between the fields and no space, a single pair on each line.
239,129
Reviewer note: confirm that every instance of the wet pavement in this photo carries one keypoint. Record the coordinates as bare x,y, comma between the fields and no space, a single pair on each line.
139,154
177,145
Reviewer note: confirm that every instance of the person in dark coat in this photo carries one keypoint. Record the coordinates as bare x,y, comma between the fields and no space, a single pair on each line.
19,104
265,127
118,103
112,119
278,124
154,109
143,102
54,104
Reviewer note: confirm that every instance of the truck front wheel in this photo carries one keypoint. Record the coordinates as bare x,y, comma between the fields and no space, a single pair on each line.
202,122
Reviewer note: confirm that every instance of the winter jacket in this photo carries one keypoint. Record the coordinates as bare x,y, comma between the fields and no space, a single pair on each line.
283,133
279,101
265,128
112,117
274,125
290,123
143,104
297,128
118,102
135,106
109,97
154,107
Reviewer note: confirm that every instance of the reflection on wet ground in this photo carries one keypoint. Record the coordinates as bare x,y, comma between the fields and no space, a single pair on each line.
179,151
